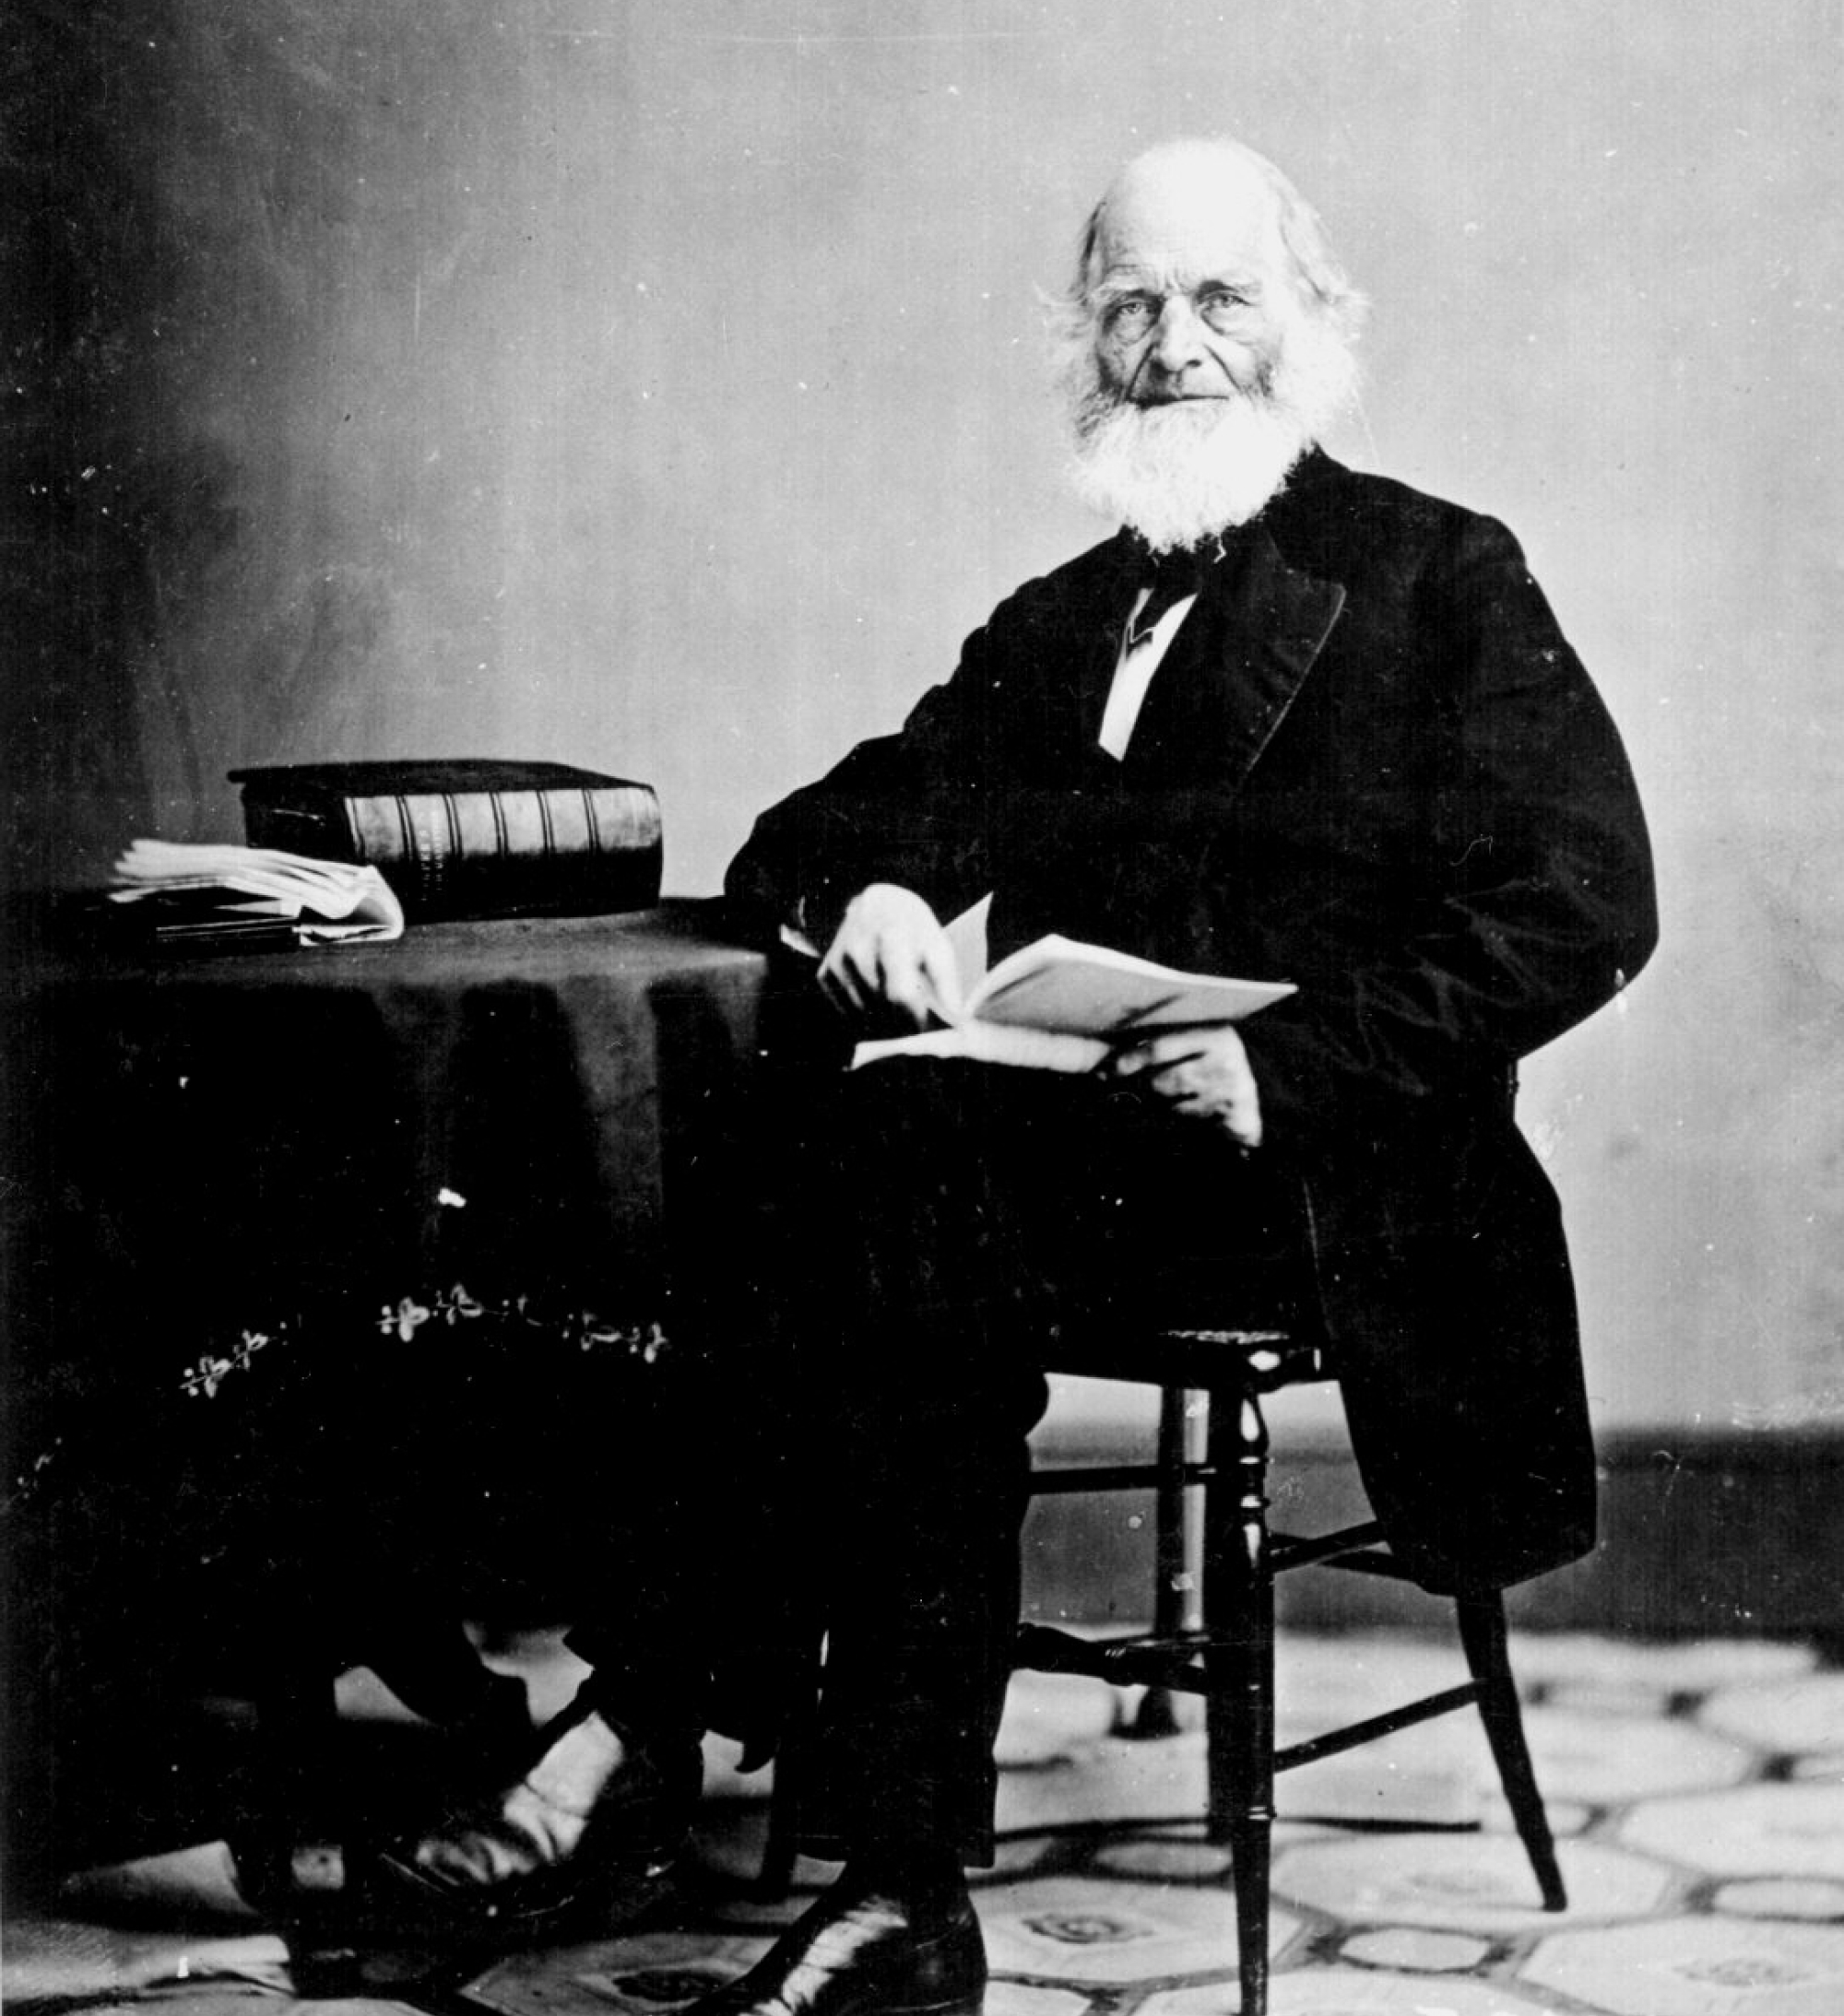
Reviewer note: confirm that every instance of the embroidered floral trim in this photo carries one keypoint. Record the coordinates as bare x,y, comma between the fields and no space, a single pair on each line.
583,1329
210,1373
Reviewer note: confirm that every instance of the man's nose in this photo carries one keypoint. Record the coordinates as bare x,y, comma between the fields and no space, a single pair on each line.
1178,337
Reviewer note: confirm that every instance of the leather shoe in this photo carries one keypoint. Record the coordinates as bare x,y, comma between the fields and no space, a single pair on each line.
598,1818
864,1950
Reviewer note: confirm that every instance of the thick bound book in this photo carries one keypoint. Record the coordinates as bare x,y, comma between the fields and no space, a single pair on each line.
468,837
1061,1006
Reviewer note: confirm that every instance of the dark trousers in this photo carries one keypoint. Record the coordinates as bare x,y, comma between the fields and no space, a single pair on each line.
951,1216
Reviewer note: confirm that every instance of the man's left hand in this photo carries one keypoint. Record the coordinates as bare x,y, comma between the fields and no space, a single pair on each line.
1202,1073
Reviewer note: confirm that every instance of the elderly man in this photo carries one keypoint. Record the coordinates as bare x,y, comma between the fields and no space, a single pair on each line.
1293,722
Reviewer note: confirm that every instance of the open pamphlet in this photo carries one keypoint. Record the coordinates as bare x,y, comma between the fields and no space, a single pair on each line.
207,895
1062,1006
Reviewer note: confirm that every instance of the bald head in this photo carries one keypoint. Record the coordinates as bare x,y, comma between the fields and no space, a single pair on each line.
1195,192
1189,193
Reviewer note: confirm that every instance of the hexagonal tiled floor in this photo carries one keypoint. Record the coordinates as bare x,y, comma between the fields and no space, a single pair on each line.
1031,1998
1048,1715
1607,1760
1697,1967
1083,1930
1407,1946
1566,1816
1782,1897
1166,1861
1582,1758
1804,1714
1317,1683
1696,1665
1468,1882
1758,1830
1346,1991
636,1975
1609,1697
1111,1779
1697,1792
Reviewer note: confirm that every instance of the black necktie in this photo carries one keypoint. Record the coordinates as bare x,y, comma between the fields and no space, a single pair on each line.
1168,577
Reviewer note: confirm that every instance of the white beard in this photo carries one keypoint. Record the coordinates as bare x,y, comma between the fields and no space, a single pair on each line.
1181,473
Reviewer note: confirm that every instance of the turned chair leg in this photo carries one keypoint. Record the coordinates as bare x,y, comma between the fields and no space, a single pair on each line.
1157,1715
1482,1633
1239,1604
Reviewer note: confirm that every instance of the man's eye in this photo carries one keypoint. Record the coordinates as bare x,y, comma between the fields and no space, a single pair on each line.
1133,316
1220,309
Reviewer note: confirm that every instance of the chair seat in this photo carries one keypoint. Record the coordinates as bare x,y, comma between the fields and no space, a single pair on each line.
1256,1361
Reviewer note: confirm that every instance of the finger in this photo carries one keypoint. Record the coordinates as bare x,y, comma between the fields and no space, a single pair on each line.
942,975
840,998
1175,1048
841,985
1176,1087
899,975
1153,1080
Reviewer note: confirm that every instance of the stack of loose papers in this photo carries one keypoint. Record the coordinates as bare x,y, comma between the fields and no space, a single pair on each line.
206,896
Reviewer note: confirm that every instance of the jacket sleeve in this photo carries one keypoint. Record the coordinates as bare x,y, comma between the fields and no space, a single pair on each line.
1535,903
913,809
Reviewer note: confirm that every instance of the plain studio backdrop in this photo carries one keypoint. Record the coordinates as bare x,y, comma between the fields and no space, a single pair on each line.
659,384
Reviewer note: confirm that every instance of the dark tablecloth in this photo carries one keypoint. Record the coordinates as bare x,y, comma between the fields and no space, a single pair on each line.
526,1096
351,1283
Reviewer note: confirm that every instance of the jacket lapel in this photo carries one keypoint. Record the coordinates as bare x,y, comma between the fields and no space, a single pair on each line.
1235,668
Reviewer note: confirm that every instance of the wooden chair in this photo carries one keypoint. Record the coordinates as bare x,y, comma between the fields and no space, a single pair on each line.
1228,1655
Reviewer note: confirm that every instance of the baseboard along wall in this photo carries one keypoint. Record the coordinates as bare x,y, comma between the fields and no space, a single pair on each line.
1702,1534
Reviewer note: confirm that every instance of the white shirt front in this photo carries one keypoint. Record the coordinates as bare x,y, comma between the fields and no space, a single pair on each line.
1133,671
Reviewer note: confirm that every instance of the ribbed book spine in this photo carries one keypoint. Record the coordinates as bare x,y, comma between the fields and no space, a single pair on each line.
450,853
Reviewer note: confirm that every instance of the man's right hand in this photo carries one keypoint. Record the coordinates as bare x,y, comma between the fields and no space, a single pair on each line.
890,952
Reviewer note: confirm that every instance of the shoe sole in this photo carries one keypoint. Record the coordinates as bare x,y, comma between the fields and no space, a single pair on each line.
958,2006
608,1901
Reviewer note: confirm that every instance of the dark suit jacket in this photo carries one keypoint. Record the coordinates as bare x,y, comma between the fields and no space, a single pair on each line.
1370,764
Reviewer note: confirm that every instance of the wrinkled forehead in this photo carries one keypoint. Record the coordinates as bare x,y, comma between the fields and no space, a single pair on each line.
1175,219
